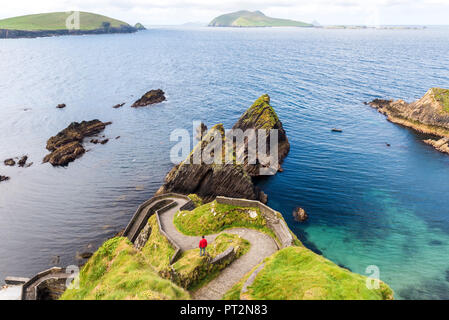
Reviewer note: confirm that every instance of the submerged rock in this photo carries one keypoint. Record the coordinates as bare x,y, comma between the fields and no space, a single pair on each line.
10,162
61,106
300,215
151,97
429,115
66,146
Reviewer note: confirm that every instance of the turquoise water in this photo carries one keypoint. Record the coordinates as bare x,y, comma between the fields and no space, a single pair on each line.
369,204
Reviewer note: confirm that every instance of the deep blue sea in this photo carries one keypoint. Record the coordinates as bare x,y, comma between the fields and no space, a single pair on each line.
369,204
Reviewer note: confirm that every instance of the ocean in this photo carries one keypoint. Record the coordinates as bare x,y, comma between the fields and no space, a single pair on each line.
369,204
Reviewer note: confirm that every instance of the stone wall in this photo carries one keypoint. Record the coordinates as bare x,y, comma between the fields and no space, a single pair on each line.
51,289
275,221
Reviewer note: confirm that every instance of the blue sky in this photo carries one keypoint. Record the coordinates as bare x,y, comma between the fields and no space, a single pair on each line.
154,12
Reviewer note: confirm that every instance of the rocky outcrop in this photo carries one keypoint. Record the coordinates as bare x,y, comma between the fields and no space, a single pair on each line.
10,162
210,180
261,116
118,105
14,34
3,178
61,106
151,97
300,215
224,177
139,26
429,115
67,146
23,161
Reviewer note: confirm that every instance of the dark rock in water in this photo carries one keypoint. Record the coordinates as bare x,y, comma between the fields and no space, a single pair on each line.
66,146
61,106
119,105
200,131
118,137
96,141
151,97
4,178
336,130
10,162
388,145
344,267
261,116
226,177
104,141
300,215
22,162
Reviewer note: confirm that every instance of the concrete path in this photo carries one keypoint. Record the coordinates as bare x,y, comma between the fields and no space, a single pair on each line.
262,246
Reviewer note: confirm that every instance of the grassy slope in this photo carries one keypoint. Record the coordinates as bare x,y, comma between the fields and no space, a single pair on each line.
56,21
118,272
442,96
296,273
213,218
254,19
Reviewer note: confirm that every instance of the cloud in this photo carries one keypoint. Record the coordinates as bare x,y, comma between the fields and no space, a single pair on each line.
180,11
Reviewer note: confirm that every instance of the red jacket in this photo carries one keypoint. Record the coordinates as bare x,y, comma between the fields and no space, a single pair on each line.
203,243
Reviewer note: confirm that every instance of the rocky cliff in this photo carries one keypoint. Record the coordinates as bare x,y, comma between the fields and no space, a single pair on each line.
226,178
429,115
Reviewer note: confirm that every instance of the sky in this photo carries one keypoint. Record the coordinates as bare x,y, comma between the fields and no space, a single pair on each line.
174,12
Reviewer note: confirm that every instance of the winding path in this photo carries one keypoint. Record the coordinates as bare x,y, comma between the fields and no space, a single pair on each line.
262,246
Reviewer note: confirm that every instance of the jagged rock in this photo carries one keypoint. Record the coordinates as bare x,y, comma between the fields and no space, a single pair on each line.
151,97
22,162
10,162
86,255
119,105
66,146
430,115
261,115
4,178
61,106
96,141
300,215
210,180
226,178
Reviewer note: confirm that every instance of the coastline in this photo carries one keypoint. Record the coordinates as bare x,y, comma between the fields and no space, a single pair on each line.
19,34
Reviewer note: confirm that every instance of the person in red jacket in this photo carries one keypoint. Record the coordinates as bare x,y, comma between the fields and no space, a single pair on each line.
203,246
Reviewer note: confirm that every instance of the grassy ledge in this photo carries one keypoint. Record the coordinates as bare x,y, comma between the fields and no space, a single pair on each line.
296,273
214,217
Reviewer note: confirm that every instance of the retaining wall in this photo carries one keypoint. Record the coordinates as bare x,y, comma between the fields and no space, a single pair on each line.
275,221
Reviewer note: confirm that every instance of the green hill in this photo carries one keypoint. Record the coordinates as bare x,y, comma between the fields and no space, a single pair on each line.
253,19
57,21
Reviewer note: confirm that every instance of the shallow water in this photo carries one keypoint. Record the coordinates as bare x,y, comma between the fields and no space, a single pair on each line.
369,204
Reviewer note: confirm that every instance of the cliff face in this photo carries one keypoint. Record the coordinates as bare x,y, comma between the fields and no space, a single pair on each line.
210,180
261,116
15,34
227,177
430,115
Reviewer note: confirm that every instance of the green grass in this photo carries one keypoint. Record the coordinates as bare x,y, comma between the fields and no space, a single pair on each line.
253,19
117,271
194,271
196,200
57,21
214,217
262,113
296,273
442,96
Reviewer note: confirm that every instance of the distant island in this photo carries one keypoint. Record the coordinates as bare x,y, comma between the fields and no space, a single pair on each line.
55,24
253,19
